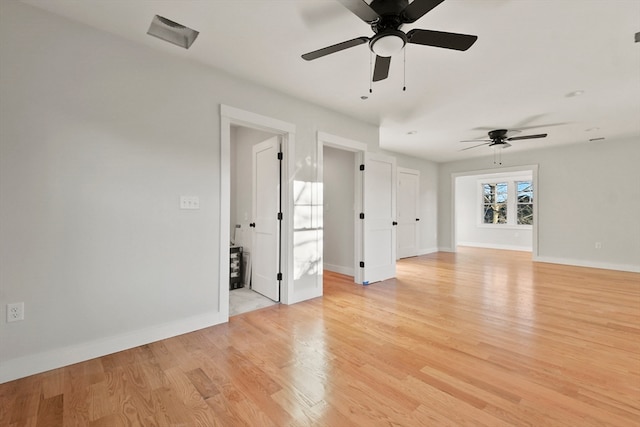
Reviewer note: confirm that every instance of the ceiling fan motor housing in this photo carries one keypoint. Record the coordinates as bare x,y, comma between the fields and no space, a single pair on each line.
498,134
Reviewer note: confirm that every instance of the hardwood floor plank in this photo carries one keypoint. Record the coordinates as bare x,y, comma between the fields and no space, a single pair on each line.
50,411
475,338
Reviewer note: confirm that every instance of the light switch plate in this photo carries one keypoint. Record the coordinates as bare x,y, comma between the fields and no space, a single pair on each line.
189,202
15,312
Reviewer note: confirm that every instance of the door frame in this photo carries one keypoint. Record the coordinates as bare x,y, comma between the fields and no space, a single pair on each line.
234,116
359,148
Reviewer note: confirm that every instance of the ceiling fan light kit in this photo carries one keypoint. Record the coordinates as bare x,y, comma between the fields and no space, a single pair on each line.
388,43
386,17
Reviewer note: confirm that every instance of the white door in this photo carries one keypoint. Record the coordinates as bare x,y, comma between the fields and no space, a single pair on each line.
379,237
266,228
408,205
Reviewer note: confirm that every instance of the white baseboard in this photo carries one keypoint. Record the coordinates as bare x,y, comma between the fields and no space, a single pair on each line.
306,295
496,246
427,251
57,358
341,269
591,264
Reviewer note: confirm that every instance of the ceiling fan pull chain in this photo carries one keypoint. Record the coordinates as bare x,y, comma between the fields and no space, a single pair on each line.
370,71
404,83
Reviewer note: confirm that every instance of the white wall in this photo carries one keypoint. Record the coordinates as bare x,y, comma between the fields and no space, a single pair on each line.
99,137
339,213
469,229
587,192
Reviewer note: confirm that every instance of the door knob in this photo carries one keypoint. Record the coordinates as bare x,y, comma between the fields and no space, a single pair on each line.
253,225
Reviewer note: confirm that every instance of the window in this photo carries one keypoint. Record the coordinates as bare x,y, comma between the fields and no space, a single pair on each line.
524,202
509,202
495,203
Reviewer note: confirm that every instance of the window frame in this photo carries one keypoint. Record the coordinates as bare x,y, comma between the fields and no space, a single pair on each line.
518,203
512,205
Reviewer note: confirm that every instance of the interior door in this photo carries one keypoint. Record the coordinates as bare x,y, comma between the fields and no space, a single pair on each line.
379,237
408,204
266,226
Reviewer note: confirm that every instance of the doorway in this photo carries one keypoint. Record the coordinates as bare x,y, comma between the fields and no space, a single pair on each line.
254,123
339,207
343,150
254,228
374,234
469,225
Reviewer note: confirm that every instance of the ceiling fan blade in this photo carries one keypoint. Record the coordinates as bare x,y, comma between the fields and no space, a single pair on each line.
381,69
334,48
516,138
361,10
441,39
476,140
475,146
541,126
418,9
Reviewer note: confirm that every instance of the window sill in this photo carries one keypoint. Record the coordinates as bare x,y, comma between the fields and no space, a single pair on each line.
506,226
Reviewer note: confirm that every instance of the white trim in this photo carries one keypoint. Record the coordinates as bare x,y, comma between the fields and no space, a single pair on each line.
512,198
53,359
234,116
505,226
347,271
256,121
341,143
591,264
409,171
496,246
427,251
304,295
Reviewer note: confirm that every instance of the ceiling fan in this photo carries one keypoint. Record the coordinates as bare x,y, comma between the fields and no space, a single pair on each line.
386,17
500,138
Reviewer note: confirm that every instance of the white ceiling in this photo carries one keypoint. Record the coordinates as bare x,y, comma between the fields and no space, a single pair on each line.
529,55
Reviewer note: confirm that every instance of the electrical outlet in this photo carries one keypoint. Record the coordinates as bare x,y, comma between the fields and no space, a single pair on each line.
598,245
15,312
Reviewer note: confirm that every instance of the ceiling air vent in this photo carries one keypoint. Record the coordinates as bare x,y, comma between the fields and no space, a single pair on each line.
172,32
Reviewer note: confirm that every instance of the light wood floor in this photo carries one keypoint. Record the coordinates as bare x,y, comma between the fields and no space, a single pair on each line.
480,337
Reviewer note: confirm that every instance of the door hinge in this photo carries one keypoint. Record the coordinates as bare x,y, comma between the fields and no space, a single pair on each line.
279,216
361,264
280,155
361,167
279,276
361,215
